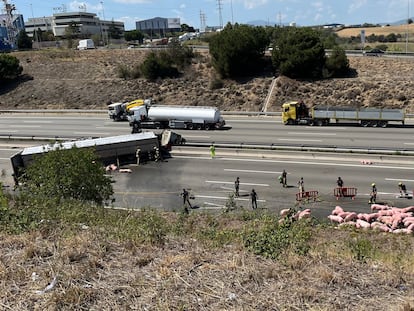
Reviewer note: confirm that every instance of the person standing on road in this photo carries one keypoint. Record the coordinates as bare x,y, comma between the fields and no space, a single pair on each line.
340,184
254,197
373,198
403,189
237,186
186,200
284,179
212,151
301,186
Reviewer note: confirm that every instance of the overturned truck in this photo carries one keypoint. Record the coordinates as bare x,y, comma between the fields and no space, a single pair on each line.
121,149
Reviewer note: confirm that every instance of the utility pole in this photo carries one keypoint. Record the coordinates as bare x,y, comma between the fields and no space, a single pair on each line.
231,6
105,33
408,26
202,22
10,28
220,7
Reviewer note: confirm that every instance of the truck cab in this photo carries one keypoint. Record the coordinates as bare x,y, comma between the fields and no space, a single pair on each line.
295,112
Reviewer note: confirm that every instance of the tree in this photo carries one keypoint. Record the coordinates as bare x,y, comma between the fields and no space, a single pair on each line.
134,35
337,64
238,50
114,32
67,174
71,32
158,65
10,67
23,40
299,53
187,28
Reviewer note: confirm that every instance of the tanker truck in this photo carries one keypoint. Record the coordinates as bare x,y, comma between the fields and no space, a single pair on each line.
298,113
175,117
120,111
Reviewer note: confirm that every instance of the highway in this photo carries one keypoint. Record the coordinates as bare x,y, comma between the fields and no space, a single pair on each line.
239,130
211,180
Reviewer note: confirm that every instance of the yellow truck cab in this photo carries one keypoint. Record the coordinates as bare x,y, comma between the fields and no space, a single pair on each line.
294,112
289,112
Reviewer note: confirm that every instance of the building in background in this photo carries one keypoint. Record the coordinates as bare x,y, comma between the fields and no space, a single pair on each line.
88,23
159,26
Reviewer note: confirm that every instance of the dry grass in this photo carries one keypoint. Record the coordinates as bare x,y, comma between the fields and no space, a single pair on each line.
89,79
95,272
386,30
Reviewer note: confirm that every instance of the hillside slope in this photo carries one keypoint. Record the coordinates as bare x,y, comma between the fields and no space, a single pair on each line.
89,80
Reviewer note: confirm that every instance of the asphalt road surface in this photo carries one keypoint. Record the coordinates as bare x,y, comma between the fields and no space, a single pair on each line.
239,130
211,181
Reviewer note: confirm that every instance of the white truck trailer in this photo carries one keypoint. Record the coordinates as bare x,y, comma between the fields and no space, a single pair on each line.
176,117
297,113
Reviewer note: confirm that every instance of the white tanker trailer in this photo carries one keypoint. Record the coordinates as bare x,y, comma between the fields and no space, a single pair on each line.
176,117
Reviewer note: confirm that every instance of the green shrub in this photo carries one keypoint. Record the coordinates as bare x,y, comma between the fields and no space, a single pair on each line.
10,67
269,238
361,248
216,83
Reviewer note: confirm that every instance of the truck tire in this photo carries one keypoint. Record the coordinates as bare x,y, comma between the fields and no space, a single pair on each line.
207,127
383,124
364,123
199,127
190,126
289,122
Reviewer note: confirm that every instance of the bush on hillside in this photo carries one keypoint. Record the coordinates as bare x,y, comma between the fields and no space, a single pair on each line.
10,67
299,53
63,174
238,50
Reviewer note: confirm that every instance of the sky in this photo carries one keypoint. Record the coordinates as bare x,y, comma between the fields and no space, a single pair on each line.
301,12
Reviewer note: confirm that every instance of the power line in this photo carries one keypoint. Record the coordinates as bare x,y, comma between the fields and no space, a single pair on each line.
220,7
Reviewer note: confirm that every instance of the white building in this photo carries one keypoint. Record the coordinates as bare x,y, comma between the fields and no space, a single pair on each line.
88,23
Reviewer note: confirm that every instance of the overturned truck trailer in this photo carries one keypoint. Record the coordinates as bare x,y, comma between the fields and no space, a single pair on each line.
116,149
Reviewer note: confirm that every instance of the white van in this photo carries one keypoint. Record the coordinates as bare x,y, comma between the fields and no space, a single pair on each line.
86,44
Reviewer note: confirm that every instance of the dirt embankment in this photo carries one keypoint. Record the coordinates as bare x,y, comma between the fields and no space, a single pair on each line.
89,80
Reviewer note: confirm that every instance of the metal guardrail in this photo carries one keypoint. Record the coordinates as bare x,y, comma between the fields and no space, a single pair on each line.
240,146
333,149
101,111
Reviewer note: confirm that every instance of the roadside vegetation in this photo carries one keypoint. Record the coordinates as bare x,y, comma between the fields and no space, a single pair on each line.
70,252
10,68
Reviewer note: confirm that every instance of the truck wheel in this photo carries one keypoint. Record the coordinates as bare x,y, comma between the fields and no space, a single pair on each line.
207,127
383,124
319,122
199,127
289,122
364,123
374,123
190,126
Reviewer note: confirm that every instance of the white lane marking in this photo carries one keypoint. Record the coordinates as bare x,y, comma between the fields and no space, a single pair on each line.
313,134
300,162
25,126
395,179
197,136
12,131
90,133
112,128
230,183
251,171
36,121
223,198
290,139
408,143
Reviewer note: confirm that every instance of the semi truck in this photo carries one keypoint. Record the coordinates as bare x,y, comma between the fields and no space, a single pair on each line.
295,112
120,111
175,117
